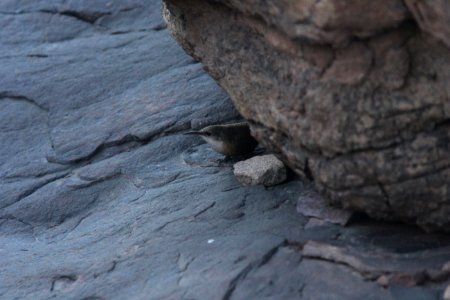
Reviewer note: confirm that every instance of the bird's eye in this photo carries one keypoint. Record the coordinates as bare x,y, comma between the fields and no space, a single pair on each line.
207,133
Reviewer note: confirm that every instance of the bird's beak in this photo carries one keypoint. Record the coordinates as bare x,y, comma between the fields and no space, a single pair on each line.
194,133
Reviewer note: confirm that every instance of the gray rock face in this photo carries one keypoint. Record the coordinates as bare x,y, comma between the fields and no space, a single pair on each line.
102,197
351,94
264,170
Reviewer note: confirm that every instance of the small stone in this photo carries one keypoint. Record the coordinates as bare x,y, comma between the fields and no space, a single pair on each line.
383,280
265,169
447,293
314,222
446,266
64,282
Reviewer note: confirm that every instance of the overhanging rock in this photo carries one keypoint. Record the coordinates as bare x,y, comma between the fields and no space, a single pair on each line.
350,93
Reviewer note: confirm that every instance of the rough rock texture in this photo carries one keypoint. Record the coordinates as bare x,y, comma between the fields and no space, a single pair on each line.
311,204
352,94
432,16
102,197
264,170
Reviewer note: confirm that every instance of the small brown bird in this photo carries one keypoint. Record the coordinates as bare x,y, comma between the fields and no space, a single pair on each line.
228,139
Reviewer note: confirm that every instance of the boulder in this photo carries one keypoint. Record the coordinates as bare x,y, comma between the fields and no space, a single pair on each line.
350,94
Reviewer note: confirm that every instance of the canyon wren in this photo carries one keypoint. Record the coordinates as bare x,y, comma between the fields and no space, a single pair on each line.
228,139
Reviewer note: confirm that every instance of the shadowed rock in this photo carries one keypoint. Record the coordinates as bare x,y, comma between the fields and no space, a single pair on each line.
351,94
311,204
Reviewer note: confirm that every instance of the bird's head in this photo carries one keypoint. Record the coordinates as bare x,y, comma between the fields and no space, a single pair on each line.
210,133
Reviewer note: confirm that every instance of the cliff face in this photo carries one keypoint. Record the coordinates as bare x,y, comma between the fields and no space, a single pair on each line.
351,94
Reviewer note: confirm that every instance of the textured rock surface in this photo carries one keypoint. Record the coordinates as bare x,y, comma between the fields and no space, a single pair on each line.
264,170
311,204
432,16
351,93
101,197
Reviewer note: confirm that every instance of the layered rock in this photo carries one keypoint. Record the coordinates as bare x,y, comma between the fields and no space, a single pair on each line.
351,94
